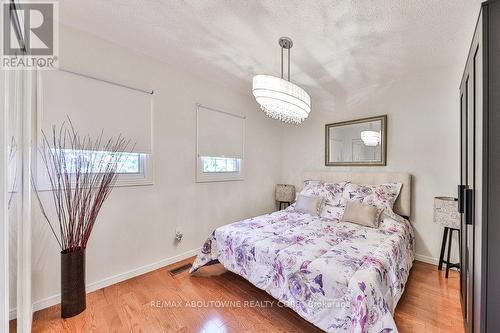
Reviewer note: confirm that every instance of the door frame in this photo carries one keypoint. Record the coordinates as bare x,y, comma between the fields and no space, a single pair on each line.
4,229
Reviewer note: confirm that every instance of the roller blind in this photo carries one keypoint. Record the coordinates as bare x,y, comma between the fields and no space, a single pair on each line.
95,105
220,134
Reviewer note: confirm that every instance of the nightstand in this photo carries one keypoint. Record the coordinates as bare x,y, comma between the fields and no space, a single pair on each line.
285,194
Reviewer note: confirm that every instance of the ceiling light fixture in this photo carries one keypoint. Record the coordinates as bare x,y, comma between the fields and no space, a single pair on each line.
370,138
279,98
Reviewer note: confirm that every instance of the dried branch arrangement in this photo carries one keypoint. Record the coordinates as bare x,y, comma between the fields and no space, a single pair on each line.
82,171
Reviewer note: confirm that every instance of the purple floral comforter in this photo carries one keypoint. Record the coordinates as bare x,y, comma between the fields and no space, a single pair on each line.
340,276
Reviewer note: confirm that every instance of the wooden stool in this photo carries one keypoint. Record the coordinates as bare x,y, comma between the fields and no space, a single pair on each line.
443,246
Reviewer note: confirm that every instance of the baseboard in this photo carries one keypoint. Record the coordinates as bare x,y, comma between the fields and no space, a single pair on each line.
12,314
427,259
56,299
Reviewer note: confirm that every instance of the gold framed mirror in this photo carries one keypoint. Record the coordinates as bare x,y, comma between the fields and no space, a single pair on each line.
360,142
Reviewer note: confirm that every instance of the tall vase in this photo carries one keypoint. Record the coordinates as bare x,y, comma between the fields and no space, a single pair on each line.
73,294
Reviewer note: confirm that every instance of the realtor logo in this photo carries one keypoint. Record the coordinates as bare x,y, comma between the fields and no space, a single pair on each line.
29,35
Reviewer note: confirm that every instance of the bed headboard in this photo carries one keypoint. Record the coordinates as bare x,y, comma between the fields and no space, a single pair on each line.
402,206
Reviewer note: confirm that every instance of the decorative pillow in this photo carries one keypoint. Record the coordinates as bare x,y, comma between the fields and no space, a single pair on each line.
313,187
365,215
331,192
309,204
335,195
381,196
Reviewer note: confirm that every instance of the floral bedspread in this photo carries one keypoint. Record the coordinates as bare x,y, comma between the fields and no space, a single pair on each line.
340,276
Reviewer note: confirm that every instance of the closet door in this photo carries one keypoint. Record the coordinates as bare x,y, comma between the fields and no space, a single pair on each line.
461,191
470,191
465,196
477,209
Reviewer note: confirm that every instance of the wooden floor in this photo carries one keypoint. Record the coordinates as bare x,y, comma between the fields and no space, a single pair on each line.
429,304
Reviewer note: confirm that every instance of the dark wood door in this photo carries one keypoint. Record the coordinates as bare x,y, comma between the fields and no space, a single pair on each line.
466,181
470,191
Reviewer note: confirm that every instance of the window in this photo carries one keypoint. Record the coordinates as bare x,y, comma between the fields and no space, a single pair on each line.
220,144
220,164
94,161
133,168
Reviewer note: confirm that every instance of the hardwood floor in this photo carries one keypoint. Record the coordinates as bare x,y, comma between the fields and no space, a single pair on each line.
430,304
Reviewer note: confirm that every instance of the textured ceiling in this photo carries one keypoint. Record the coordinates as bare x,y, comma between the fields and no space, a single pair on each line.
341,47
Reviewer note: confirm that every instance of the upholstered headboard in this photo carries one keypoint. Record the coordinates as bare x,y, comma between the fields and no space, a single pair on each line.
402,205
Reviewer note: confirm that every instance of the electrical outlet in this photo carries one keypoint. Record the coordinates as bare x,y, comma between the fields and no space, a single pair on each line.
178,235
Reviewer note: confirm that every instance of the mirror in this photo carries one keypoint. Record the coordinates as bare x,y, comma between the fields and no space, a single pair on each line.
356,142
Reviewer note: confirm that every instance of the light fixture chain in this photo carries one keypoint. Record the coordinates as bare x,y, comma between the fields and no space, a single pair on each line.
282,62
288,64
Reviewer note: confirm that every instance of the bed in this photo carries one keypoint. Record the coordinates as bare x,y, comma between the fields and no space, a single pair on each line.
340,276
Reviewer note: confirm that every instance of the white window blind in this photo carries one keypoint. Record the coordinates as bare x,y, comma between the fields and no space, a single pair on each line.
220,134
94,105
220,145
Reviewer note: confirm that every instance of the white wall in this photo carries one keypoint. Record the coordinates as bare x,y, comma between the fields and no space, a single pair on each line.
136,225
423,139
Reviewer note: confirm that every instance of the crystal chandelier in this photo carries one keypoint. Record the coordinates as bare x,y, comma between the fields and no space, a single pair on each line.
279,98
370,138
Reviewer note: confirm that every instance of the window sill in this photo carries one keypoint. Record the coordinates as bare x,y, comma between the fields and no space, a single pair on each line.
219,177
215,180
129,181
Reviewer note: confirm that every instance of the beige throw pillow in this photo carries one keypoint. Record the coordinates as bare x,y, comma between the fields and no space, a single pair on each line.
358,213
308,204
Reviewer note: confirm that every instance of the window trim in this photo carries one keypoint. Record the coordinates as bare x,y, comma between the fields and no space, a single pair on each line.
144,177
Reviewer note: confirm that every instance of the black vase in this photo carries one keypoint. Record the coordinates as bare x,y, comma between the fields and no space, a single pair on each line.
73,297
